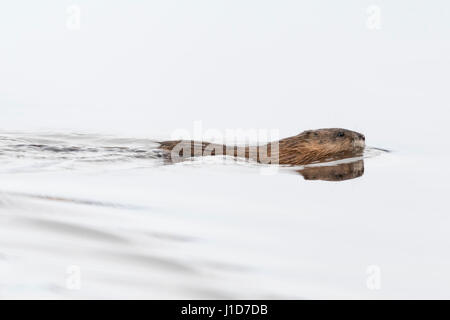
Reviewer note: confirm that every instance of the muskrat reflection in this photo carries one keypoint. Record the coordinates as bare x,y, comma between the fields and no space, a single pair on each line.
338,172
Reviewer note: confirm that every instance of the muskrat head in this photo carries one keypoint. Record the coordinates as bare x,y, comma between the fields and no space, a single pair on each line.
327,144
334,141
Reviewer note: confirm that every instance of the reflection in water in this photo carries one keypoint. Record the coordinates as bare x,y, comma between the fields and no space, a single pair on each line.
338,172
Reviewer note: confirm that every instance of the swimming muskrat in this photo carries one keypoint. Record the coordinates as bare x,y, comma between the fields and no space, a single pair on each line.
308,147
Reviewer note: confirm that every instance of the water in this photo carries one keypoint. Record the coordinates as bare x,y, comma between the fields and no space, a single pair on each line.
132,226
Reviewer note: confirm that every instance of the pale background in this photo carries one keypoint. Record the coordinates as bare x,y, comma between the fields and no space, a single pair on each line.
149,67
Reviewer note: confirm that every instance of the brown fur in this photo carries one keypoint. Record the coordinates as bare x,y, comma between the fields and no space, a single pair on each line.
307,147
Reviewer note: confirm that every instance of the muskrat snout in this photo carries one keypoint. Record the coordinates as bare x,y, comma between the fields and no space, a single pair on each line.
359,141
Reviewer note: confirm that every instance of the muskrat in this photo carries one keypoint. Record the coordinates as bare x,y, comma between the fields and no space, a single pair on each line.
308,147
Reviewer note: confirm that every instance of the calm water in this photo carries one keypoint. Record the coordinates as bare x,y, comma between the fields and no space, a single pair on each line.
107,212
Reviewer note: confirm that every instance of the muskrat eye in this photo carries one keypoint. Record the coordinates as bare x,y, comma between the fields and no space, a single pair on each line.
340,134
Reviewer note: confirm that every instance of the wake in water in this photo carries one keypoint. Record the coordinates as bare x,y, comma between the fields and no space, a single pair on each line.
34,152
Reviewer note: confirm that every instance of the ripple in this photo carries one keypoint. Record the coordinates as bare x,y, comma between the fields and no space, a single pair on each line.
72,229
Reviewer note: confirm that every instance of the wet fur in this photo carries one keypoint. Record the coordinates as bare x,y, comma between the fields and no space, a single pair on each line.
307,147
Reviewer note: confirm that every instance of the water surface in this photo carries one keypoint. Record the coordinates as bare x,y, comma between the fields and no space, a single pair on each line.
137,227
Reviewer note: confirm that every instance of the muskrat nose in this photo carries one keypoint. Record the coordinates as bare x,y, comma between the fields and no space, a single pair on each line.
362,137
